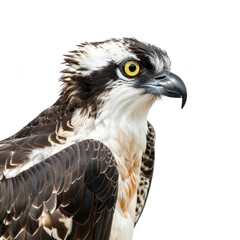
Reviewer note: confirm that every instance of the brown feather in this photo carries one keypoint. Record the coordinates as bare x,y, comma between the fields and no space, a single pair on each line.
146,174
34,201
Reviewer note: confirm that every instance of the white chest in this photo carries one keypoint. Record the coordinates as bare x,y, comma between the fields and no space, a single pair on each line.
127,142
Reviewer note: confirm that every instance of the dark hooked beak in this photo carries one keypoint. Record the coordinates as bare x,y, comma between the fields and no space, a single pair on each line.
167,84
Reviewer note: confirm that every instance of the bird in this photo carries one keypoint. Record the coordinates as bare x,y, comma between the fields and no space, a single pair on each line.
82,169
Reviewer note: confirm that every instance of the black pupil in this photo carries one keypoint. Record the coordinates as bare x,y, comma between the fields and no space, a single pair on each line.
132,67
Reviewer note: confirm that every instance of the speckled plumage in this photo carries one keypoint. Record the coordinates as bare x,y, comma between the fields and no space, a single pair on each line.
146,174
82,169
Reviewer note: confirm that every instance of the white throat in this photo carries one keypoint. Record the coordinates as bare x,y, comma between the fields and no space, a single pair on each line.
122,121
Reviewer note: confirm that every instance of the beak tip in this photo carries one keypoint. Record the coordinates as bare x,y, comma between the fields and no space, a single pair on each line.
183,102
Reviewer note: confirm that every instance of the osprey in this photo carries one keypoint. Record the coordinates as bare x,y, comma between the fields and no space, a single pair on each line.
82,169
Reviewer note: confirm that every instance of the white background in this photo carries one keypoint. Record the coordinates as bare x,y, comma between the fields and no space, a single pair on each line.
196,188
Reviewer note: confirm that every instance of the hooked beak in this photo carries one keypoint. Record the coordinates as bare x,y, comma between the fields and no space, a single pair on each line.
167,84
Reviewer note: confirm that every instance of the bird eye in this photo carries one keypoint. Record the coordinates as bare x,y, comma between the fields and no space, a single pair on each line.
131,68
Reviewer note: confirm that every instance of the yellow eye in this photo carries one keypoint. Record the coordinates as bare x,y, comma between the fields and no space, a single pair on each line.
131,68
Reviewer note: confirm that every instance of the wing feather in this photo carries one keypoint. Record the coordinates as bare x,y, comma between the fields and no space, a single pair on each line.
70,195
146,174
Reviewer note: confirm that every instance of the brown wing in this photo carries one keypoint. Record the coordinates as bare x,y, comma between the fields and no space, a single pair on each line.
41,132
58,115
70,195
146,172
16,152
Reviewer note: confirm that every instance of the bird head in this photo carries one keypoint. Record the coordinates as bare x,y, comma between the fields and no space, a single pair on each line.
118,74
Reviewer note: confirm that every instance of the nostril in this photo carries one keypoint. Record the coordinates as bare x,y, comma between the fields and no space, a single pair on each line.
160,77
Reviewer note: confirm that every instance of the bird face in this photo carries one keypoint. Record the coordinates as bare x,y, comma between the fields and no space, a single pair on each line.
123,72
